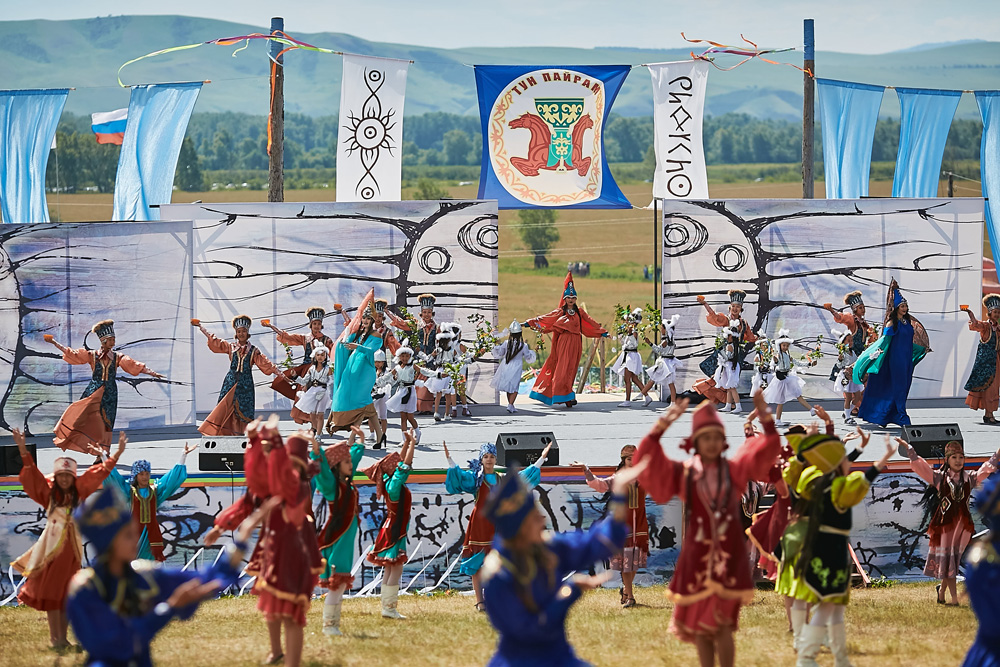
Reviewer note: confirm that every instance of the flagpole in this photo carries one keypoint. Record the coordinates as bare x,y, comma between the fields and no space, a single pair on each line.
656,285
276,117
808,109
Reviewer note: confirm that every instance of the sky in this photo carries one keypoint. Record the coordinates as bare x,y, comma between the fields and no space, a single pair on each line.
851,26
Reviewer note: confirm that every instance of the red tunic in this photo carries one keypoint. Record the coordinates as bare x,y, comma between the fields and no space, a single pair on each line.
144,514
480,532
712,576
554,383
397,518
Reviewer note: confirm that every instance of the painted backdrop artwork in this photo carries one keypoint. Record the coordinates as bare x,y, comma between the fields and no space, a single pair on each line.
61,279
273,261
792,256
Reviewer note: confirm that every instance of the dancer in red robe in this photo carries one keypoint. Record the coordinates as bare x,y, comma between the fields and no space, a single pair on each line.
568,324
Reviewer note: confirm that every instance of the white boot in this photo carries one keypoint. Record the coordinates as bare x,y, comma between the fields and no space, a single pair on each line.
331,614
390,597
809,643
838,645
798,617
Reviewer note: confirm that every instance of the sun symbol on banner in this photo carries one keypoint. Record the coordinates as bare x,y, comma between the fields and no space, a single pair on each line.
369,134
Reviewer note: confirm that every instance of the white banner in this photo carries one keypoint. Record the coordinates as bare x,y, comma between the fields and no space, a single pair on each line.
678,108
370,136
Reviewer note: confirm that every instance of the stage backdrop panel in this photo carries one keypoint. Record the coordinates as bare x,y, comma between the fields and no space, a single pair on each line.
275,260
61,279
792,256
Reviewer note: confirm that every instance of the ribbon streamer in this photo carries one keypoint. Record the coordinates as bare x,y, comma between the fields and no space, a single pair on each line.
716,48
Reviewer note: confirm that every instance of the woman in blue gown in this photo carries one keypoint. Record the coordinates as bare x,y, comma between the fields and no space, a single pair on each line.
889,363
982,578
354,377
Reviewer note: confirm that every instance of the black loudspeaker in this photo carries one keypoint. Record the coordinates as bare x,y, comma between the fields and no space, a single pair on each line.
222,453
526,448
929,439
10,459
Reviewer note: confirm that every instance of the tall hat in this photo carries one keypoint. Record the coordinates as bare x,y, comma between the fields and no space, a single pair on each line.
509,504
337,453
242,322
318,350
384,466
475,465
783,337
704,419
101,516
987,501
853,299
894,298
823,451
64,464
627,451
379,305
515,327
952,448
142,465
104,329
736,296
569,289
316,313
379,355
427,301
991,301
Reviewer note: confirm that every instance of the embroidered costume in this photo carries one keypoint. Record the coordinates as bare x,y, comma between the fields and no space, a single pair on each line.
385,329
354,372
284,384
664,371
339,534
629,358
427,336
390,475
862,333
404,377
636,549
727,369
315,398
146,502
706,386
786,385
843,371
984,380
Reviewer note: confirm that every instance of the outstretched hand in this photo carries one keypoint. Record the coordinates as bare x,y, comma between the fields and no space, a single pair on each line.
624,477
545,452
122,441
763,411
586,582
248,524
822,414
672,414
447,454
22,444
190,448
191,592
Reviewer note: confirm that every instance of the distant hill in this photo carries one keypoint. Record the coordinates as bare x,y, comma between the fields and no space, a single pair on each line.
87,53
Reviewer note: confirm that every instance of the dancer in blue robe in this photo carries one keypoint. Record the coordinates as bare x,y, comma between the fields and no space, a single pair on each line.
982,579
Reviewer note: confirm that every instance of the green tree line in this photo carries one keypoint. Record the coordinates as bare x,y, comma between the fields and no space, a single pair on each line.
237,142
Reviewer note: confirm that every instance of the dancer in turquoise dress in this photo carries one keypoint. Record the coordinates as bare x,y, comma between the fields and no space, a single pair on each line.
354,376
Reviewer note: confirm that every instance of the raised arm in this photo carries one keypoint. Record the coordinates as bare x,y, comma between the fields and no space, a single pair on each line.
133,367
988,468
167,485
754,459
662,478
32,480
918,464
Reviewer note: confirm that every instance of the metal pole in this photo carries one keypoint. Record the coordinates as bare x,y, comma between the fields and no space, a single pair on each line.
276,118
656,259
808,109
951,182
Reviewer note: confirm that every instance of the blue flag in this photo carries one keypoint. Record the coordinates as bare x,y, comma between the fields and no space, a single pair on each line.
28,120
543,135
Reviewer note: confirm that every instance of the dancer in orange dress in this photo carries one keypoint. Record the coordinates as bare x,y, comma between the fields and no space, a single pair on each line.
984,380
49,565
236,408
712,578
92,418
568,324
706,386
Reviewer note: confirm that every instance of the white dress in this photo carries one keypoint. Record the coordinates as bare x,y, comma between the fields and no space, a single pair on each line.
405,398
665,369
442,385
380,394
845,383
629,358
781,391
316,398
507,379
727,376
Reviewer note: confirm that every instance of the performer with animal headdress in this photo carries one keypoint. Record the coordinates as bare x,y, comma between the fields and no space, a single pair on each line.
92,418
984,380
568,324
889,363
746,337
309,342
862,333
512,354
843,374
237,397
629,363
664,371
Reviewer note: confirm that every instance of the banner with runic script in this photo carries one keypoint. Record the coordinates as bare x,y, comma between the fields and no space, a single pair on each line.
678,109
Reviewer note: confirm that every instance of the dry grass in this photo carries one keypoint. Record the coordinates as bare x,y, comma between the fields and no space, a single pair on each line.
896,626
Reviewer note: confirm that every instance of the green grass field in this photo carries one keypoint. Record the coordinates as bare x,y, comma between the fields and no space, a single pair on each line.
900,625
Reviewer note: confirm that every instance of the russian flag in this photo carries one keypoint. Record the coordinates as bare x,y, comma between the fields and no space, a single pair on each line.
109,126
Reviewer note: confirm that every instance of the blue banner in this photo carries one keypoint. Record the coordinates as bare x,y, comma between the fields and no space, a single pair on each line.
158,117
989,164
28,120
847,116
543,135
925,118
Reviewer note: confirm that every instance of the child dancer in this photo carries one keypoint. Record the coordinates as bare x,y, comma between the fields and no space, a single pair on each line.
92,418
629,363
512,354
478,480
786,385
636,551
761,365
461,353
315,399
52,561
310,342
389,550
862,333
145,497
706,386
982,578
404,400
827,490
379,399
530,585
727,372
663,372
712,577
442,384
984,380
843,374
336,539
950,527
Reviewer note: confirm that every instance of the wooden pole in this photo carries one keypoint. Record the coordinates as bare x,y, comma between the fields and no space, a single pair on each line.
656,259
276,119
951,184
808,109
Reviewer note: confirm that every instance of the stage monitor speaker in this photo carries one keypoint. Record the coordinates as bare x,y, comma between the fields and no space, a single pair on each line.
526,448
929,439
222,453
10,459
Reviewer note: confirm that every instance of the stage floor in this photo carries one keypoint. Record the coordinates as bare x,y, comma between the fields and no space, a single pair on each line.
593,432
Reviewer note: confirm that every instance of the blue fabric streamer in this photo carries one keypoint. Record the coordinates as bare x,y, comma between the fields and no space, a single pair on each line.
28,120
158,117
925,118
847,115
989,163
